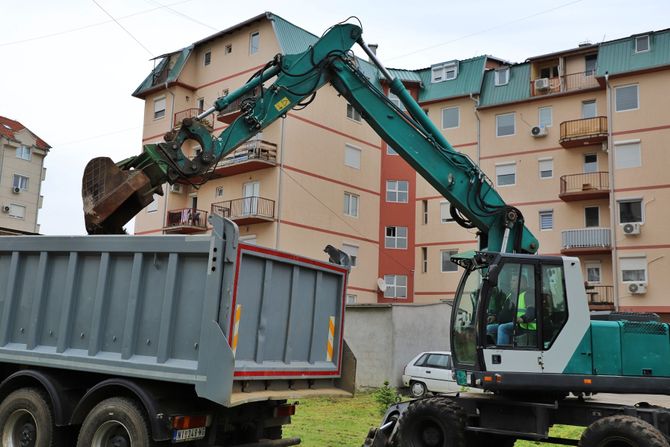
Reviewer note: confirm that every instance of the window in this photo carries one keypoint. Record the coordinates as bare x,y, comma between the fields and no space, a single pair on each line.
396,237
641,44
591,216
547,220
505,125
390,150
351,298
424,259
228,49
447,264
424,211
554,307
590,163
153,206
444,72
589,109
395,100
159,108
451,118
17,211
544,117
201,105
549,72
23,152
208,58
502,76
218,192
633,269
353,113
590,64
546,166
351,204
630,211
593,272
21,182
352,156
396,286
626,98
254,42
352,251
397,191
628,155
506,174
445,213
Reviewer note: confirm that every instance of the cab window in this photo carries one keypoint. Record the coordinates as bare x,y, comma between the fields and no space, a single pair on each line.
554,306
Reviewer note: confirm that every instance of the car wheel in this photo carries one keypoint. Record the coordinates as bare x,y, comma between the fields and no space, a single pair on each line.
417,389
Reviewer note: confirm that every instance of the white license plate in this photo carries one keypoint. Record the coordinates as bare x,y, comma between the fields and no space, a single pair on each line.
189,434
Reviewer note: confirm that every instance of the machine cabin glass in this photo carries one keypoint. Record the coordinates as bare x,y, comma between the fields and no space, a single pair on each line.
464,318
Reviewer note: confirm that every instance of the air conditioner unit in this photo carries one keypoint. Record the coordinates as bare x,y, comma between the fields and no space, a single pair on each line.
16,190
542,84
538,131
630,229
176,188
5,209
637,288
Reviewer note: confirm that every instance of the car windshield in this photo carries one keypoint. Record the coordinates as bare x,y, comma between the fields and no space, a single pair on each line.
465,319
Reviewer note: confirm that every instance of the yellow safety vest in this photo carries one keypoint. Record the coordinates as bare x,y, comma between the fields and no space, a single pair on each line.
521,311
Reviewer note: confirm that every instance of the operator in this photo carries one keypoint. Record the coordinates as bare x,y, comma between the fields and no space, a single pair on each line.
501,306
525,317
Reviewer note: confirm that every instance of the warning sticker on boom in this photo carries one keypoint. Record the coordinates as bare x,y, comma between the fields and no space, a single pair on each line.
282,104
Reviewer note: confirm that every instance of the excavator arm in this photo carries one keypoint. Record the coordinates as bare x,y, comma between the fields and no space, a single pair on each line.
114,193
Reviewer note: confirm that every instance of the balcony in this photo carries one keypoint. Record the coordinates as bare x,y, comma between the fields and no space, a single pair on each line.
600,297
587,186
564,84
247,210
185,221
583,132
192,113
234,109
250,156
586,241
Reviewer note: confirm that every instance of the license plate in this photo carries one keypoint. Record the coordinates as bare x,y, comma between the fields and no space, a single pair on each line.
190,434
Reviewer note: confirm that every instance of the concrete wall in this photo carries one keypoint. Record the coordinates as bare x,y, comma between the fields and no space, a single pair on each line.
385,337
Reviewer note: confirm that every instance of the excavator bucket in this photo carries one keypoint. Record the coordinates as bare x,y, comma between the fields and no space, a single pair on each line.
112,196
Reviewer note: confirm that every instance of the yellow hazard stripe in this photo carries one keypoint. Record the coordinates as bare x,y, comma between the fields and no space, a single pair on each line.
331,337
236,326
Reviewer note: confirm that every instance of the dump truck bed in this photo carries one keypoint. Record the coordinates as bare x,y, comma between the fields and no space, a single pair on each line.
201,310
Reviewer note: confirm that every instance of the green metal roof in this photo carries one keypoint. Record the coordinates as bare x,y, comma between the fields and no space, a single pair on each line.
173,62
406,75
292,39
517,89
468,80
619,56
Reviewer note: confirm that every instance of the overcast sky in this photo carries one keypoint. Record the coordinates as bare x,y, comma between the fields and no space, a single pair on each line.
67,69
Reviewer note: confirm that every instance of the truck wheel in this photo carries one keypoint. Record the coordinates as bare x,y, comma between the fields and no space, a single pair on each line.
115,422
432,422
417,389
622,431
26,420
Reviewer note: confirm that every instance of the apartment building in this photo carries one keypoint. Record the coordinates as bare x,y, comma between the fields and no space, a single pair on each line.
573,139
21,174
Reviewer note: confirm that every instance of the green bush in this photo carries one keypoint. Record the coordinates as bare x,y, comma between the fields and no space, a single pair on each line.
385,397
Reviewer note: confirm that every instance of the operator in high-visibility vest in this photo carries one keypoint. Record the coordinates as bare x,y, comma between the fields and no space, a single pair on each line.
525,318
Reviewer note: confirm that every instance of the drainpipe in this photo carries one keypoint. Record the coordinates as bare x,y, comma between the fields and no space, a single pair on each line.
279,181
167,185
613,220
39,190
478,153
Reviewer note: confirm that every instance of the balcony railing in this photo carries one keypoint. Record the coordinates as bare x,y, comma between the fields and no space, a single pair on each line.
600,295
250,156
246,210
192,113
583,132
567,83
185,220
586,241
587,186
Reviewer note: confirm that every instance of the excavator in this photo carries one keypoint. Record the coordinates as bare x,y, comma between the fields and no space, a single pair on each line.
547,347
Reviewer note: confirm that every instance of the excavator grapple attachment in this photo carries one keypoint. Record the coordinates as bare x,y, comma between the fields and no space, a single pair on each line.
112,196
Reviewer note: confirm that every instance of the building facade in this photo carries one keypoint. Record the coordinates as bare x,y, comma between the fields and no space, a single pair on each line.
574,139
22,171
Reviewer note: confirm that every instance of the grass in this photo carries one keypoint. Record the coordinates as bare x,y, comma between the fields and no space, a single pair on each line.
342,422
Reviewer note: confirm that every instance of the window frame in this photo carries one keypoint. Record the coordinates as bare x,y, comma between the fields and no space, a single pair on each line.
357,150
157,112
619,88
351,199
353,114
23,182
21,152
451,252
588,103
635,147
13,206
645,269
639,200
586,223
390,150
593,265
254,49
502,165
395,286
396,239
458,117
551,116
498,127
589,154
424,259
397,191
497,81
542,213
639,39
352,257
445,213
207,58
540,170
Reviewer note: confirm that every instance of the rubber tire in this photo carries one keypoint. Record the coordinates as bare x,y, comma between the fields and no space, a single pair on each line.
36,403
432,422
613,430
420,386
120,410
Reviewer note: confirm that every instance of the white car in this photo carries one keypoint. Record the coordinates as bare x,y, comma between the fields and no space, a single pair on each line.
430,372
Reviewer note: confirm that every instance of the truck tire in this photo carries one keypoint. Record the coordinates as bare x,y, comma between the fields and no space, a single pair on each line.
432,422
417,389
622,431
115,421
26,420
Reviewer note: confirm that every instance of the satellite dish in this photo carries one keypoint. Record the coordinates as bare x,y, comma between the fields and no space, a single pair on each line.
381,284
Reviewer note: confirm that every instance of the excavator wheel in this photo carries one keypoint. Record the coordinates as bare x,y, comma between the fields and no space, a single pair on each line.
432,422
111,196
622,431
